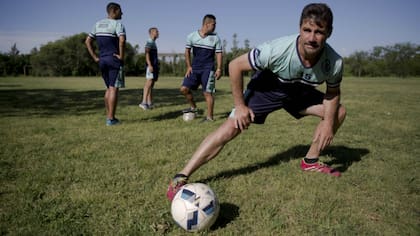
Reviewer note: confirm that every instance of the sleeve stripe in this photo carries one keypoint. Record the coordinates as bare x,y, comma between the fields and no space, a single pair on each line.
252,58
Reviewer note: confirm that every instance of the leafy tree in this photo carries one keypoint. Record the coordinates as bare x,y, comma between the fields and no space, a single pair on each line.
64,57
400,60
69,57
357,62
235,52
130,65
13,63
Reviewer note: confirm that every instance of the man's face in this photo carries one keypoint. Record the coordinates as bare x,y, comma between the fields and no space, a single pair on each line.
155,33
312,37
117,14
210,26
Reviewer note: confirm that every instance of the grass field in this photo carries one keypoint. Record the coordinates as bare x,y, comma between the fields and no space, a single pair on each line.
63,172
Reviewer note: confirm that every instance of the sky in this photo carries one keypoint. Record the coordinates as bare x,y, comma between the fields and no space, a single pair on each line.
359,25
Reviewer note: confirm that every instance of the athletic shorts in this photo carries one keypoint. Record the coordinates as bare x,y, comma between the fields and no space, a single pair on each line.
205,78
265,93
112,72
152,75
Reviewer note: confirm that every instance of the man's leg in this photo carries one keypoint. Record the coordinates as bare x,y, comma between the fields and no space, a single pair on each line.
106,98
149,98
189,96
146,91
314,151
210,104
146,94
111,98
208,149
211,146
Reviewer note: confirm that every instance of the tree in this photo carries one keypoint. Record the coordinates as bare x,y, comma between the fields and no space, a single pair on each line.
401,59
69,57
64,57
356,63
13,63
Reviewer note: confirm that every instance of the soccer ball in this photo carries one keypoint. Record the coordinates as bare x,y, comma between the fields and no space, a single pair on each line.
195,207
188,116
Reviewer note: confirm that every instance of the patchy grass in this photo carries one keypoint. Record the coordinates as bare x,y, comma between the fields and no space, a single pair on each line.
62,171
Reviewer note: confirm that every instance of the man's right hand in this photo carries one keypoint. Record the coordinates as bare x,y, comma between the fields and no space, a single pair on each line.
243,117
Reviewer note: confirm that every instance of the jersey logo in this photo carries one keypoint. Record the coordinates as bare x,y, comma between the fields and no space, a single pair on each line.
307,76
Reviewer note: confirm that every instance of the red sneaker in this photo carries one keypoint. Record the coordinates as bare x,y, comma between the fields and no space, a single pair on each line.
174,186
319,167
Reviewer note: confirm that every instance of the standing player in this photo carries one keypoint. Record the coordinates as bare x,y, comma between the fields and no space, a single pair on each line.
205,44
287,71
109,34
152,69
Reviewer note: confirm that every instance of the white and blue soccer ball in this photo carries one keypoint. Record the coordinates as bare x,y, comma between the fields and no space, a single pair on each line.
195,207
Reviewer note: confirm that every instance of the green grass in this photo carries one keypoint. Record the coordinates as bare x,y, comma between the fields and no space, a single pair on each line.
63,172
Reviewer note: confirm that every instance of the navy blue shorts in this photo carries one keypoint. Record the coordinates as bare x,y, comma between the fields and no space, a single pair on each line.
205,78
266,93
152,75
110,69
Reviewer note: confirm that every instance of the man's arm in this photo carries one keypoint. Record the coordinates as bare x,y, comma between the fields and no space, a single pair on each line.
188,61
88,43
331,103
121,46
148,61
219,60
243,115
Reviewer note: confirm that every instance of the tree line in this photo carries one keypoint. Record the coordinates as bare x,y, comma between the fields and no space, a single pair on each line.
69,57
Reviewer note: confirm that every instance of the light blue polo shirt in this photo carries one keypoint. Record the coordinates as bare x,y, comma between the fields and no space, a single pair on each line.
203,49
107,33
282,58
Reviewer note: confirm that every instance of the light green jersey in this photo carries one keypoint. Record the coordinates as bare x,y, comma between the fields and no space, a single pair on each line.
282,58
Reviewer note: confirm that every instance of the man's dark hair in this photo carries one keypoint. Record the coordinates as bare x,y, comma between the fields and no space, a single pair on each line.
152,28
112,6
320,13
208,16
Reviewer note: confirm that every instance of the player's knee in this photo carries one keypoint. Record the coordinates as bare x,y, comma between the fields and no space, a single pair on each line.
184,90
227,131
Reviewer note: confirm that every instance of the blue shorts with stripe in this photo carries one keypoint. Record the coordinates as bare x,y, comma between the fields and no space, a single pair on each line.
204,77
112,71
266,93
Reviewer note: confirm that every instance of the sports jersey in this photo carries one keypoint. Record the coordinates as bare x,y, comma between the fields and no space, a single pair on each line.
282,58
107,32
204,49
153,53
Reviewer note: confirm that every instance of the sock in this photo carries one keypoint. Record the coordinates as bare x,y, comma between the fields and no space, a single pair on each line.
180,176
311,160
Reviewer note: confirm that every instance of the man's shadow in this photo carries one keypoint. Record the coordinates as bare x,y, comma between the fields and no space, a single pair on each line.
342,158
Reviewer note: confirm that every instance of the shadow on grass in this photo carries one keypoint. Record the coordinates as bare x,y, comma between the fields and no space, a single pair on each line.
49,102
55,102
228,213
342,158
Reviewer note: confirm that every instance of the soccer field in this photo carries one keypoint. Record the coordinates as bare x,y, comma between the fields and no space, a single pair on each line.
63,172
